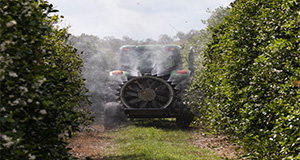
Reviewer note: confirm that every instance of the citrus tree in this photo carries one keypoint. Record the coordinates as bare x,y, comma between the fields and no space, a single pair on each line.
42,91
250,78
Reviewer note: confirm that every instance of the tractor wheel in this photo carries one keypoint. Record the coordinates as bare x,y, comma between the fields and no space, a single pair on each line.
114,116
186,117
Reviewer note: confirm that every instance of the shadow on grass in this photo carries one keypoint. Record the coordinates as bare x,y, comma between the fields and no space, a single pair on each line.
131,157
168,125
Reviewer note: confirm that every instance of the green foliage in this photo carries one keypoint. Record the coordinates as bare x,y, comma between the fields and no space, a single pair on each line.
42,92
247,78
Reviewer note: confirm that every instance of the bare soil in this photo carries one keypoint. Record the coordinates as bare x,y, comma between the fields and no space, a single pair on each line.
94,143
97,144
218,144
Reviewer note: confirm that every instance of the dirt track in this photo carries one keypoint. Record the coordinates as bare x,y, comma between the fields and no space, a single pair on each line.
96,144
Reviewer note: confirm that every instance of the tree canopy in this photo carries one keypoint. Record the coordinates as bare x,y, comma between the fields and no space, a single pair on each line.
41,86
249,75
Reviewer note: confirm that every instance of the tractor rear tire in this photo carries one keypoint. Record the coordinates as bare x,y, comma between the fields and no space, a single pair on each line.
114,116
186,117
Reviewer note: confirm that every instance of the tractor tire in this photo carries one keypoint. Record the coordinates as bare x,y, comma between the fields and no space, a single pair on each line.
186,117
114,116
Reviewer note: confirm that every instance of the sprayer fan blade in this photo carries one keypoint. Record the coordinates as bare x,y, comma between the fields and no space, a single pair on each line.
133,87
161,87
139,84
154,84
161,98
143,104
131,94
155,104
134,101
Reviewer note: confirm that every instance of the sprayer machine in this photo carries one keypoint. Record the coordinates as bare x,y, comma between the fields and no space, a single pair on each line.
150,83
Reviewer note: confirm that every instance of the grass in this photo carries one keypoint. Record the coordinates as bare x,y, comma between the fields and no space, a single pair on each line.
150,143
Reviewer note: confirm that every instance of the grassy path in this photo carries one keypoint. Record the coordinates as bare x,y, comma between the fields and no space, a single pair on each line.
141,143
149,143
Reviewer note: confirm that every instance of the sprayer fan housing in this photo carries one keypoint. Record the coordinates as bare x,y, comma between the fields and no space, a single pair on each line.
146,92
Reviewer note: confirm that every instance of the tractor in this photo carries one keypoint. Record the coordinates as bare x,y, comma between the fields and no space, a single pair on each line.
150,83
